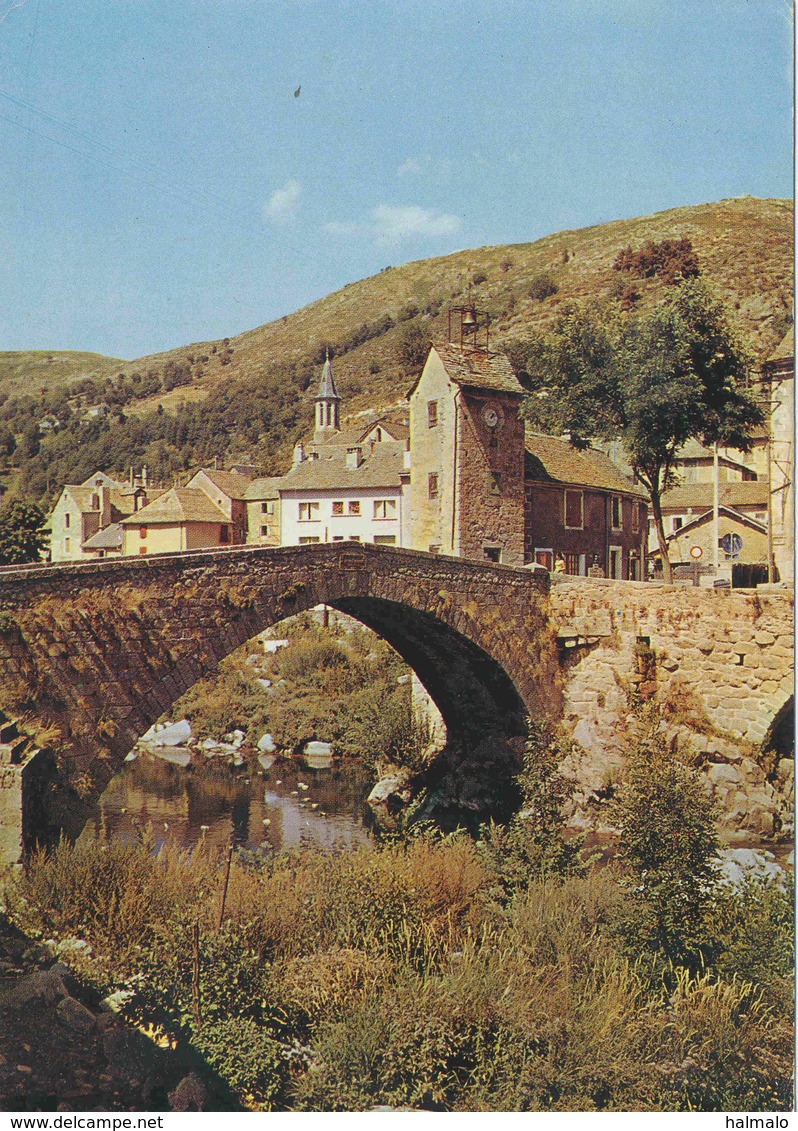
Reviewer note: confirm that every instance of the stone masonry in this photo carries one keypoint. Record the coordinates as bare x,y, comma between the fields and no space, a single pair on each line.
91,654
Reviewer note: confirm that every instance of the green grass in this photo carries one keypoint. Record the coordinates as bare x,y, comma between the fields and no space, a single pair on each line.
25,371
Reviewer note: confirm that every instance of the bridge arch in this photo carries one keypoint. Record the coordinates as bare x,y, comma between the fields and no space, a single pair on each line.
96,652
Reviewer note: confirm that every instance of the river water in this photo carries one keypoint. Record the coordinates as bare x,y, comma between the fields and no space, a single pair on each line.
282,807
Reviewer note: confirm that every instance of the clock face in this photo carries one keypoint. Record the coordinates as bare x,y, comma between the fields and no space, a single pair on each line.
491,417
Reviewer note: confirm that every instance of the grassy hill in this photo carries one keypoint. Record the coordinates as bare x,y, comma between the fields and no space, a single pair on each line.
251,395
30,370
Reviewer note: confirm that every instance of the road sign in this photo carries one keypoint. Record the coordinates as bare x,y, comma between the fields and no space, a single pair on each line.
731,544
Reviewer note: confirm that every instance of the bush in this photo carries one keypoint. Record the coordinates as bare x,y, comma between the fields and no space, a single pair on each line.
542,287
671,260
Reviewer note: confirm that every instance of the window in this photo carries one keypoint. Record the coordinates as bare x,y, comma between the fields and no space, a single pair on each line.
142,549
435,548
432,484
492,553
385,508
384,539
67,545
224,535
142,532
432,413
494,483
354,537
66,522
338,537
338,508
354,507
574,510
617,512
264,531
310,540
95,502
267,508
635,516
308,512
545,558
677,522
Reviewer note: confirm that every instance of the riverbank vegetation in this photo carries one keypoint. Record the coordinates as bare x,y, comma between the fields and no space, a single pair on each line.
342,684
503,972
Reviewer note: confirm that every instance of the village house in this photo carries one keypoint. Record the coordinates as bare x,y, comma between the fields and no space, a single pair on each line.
347,484
228,490
183,518
263,511
580,508
778,378
84,523
467,450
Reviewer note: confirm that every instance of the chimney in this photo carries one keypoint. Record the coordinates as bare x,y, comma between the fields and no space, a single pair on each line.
406,463
354,457
145,476
299,453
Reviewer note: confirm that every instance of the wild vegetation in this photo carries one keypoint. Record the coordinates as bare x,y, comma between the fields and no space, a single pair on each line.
449,973
343,685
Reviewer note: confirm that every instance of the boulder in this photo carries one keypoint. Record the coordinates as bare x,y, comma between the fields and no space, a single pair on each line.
189,1095
319,749
266,744
389,798
75,1016
175,734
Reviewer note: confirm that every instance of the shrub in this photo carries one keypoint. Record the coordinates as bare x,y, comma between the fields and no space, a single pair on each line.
671,260
542,287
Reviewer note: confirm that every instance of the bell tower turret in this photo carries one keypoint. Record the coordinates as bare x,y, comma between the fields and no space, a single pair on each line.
327,402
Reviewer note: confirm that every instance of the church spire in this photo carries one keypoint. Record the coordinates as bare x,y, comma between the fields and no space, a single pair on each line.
327,402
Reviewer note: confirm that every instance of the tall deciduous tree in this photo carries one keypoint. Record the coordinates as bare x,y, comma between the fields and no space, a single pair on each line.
655,382
22,533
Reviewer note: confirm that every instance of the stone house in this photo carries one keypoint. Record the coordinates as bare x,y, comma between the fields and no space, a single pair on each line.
778,378
579,506
92,510
228,490
263,511
467,449
183,518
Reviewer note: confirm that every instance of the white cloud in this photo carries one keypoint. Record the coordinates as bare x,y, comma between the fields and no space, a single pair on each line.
283,203
412,167
389,226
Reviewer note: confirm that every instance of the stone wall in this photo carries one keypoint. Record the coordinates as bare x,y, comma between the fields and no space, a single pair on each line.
719,662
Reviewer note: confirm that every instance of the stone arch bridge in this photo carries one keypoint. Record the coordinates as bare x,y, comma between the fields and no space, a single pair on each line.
92,653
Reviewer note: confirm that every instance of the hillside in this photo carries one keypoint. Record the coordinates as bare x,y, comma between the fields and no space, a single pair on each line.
744,246
30,370
251,395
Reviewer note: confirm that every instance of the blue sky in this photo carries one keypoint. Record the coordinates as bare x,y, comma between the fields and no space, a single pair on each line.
160,183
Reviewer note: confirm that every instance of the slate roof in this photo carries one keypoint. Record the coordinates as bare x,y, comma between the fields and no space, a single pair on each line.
694,449
230,483
475,369
550,459
785,350
178,505
708,516
122,501
109,538
380,468
327,390
753,493
261,489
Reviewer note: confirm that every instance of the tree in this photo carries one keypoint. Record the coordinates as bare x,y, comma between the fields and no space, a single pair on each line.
667,827
22,533
414,345
656,382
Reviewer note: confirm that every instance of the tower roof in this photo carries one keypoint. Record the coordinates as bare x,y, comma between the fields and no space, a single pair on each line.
327,390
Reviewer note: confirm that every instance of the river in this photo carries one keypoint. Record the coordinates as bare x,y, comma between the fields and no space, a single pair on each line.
282,807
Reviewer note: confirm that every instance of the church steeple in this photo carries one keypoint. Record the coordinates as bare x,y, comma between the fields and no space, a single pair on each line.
327,402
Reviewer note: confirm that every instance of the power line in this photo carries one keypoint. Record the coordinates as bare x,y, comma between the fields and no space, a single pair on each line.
135,168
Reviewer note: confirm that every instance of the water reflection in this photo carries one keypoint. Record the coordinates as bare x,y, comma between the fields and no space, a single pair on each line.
285,806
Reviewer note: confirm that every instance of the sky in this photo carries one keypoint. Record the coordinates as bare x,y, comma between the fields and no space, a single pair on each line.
185,170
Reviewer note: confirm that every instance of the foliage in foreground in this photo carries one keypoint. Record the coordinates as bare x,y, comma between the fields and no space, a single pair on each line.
415,975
